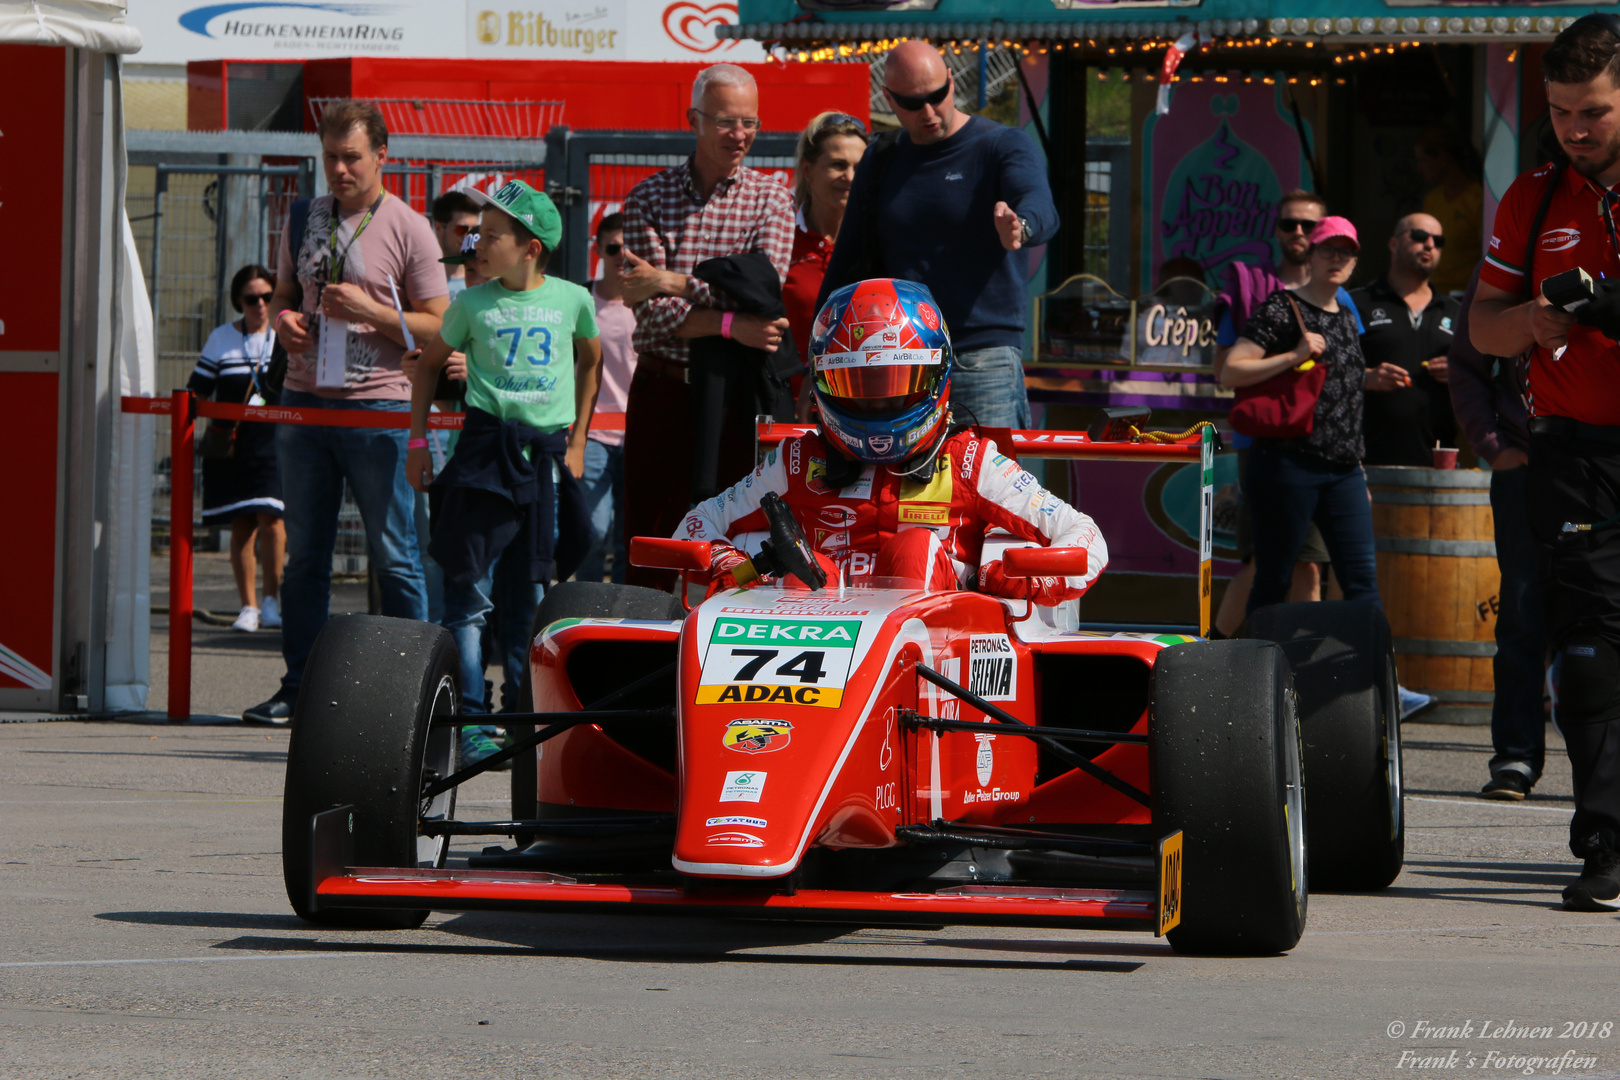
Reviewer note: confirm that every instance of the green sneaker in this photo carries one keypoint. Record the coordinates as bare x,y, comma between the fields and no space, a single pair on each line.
476,746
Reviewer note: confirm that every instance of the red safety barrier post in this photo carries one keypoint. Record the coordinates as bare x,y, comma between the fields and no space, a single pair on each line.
182,433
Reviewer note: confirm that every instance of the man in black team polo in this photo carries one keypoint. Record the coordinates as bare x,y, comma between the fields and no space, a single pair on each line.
1408,334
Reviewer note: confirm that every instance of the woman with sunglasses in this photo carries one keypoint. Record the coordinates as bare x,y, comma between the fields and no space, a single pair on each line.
243,487
829,149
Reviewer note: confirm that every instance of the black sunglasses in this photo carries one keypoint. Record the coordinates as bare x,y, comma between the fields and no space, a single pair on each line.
1294,225
912,104
844,118
1421,235
612,249
256,297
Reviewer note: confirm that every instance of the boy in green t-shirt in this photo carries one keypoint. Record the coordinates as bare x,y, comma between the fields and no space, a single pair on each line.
534,364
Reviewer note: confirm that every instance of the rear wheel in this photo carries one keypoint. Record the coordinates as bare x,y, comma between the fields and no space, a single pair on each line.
1350,720
1224,761
575,600
364,736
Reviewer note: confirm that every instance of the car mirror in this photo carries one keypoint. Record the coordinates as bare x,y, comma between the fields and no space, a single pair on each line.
663,553
1025,562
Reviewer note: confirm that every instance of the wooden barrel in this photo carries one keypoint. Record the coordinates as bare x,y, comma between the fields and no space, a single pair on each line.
1439,582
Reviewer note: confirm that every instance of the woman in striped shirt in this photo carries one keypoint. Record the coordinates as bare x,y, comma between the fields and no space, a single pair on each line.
244,488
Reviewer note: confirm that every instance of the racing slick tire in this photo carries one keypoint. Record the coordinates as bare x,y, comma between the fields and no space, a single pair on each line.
575,600
364,737
1224,765
1350,722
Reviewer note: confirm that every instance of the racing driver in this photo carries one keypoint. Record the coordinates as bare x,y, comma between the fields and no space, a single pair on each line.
890,487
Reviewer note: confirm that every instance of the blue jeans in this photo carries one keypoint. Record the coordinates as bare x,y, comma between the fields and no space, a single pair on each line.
430,569
506,590
1286,492
990,383
604,495
1518,724
314,463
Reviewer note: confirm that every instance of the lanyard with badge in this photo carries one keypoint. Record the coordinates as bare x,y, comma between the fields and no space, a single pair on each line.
332,344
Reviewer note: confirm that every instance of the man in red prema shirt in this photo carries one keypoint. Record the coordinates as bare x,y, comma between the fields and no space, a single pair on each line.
1573,393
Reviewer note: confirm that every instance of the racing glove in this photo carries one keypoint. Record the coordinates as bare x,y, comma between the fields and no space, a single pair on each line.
729,568
1602,312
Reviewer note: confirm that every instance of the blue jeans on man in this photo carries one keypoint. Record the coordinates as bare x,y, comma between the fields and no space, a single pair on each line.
1518,723
315,462
987,385
604,495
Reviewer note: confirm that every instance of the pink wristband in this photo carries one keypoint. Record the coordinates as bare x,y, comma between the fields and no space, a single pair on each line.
725,324
416,444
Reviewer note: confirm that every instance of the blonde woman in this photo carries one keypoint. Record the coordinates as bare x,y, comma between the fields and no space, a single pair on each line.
829,149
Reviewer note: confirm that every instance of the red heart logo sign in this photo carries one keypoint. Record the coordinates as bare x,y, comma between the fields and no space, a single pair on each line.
685,23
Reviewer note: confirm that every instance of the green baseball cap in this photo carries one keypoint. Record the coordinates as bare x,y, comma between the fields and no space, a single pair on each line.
468,252
533,209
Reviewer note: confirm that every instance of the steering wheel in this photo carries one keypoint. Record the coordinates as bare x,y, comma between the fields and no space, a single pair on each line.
787,551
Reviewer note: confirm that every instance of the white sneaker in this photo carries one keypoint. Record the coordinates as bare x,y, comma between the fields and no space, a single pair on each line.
270,614
248,621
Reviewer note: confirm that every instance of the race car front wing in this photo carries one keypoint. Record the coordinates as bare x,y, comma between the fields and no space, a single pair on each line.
338,884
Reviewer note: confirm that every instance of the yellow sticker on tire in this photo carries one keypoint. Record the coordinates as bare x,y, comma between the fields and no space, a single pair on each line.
1169,883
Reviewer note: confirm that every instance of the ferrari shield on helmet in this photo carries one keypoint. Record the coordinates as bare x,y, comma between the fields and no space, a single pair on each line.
881,364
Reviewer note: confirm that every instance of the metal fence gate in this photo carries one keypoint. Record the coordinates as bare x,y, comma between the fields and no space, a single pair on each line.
200,224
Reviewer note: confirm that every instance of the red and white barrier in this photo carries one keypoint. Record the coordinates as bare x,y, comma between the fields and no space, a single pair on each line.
184,408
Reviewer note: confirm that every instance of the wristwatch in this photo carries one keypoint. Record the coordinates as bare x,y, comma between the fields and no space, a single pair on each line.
1027,233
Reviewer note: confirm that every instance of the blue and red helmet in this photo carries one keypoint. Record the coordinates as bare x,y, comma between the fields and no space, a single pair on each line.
880,358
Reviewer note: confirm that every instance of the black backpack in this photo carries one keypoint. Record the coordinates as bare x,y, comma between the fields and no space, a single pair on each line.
275,375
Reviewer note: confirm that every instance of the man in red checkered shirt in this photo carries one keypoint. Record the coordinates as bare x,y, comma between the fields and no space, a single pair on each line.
709,206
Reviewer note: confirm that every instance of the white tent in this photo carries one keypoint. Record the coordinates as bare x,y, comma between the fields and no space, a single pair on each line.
96,25
77,546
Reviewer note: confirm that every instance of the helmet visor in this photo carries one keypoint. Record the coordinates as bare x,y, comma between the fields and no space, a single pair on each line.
877,388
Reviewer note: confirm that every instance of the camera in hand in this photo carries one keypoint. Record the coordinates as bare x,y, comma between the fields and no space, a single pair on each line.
1593,303
1570,290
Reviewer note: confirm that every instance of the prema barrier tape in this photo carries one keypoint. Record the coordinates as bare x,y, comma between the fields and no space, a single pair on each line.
1017,443
182,449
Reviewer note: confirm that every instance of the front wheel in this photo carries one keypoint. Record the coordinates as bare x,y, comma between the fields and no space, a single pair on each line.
366,735
1225,768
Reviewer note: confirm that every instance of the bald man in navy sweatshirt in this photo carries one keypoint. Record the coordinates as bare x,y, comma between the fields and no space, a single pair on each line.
959,199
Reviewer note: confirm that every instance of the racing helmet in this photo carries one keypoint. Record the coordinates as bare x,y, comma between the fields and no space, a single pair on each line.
881,358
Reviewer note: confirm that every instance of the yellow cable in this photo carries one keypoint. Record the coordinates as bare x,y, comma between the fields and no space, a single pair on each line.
1138,435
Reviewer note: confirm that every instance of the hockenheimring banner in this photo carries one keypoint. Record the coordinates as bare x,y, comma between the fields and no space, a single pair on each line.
176,31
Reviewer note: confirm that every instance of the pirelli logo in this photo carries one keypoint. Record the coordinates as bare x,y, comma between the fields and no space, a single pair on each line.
924,514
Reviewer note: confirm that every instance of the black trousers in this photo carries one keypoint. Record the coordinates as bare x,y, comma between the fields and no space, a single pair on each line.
1576,481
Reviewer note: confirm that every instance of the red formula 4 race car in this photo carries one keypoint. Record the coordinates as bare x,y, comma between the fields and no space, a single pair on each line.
871,756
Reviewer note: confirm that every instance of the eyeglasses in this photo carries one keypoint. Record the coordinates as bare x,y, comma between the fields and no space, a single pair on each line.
463,230
612,249
256,297
1334,253
1422,236
1295,225
934,97
730,123
835,120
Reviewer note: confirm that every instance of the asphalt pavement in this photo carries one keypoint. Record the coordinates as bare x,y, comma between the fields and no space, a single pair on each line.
147,934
